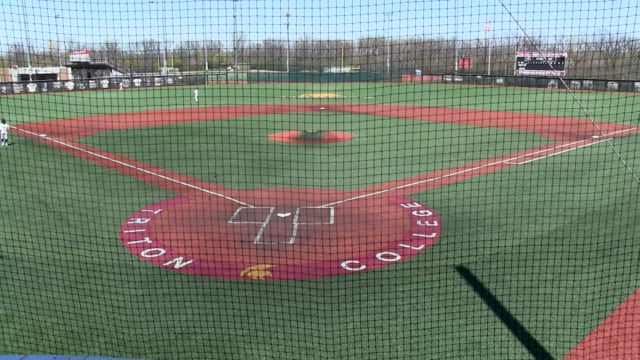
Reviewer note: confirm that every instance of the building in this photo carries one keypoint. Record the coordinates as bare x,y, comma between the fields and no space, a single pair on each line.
83,67
80,67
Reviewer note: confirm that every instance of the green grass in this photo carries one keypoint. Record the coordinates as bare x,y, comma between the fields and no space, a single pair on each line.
553,240
605,106
238,154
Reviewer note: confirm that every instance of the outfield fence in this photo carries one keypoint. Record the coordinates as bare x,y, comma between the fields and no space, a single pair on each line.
134,82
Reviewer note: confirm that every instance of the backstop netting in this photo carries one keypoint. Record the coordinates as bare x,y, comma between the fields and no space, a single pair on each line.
319,180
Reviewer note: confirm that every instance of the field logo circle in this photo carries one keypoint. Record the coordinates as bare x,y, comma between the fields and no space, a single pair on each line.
282,241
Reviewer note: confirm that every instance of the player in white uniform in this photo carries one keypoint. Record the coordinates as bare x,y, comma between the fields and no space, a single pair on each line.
195,95
4,133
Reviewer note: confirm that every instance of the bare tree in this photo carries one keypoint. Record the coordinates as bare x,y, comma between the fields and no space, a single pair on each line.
110,52
17,55
239,45
190,55
212,50
145,55
268,55
604,56
371,53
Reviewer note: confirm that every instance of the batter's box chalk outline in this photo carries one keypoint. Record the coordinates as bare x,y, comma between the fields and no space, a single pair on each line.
245,209
301,213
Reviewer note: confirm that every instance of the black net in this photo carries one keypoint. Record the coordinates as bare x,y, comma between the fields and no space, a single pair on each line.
319,180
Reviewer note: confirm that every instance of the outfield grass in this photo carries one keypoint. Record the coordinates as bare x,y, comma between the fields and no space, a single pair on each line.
603,106
553,240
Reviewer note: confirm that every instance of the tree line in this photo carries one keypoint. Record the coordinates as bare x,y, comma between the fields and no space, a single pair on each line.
598,57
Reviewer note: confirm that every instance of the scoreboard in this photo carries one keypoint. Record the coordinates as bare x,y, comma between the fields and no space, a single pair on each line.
540,63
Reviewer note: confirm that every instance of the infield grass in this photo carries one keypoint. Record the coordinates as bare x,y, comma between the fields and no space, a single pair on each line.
237,153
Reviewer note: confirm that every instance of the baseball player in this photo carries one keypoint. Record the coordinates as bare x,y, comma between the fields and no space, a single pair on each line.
195,95
4,133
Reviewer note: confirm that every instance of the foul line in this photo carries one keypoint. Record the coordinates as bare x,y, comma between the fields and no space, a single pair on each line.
513,161
509,161
142,170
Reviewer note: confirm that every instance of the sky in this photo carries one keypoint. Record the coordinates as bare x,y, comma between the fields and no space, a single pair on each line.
41,22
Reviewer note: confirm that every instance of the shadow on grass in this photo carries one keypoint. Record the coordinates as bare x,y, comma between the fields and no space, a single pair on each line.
516,328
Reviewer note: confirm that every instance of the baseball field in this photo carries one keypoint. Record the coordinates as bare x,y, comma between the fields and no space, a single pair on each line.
321,221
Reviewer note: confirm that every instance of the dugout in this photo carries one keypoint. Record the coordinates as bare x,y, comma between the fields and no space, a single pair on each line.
18,74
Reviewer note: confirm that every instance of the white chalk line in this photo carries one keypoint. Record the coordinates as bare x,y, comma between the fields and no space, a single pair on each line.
267,221
136,168
510,161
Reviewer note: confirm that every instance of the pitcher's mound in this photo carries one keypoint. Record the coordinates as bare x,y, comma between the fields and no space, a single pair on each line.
298,137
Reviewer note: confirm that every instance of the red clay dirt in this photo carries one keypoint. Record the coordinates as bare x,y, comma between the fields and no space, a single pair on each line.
293,137
617,337
286,237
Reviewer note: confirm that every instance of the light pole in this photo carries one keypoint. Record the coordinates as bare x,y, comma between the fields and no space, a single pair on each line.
26,36
164,34
206,57
455,56
206,64
487,30
287,14
58,40
235,34
455,48
388,45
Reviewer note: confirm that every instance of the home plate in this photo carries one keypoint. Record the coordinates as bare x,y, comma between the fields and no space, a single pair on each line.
595,136
43,135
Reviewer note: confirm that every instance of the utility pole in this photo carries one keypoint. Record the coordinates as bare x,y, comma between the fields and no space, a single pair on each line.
163,71
204,41
487,30
287,14
26,35
58,40
235,35
388,18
